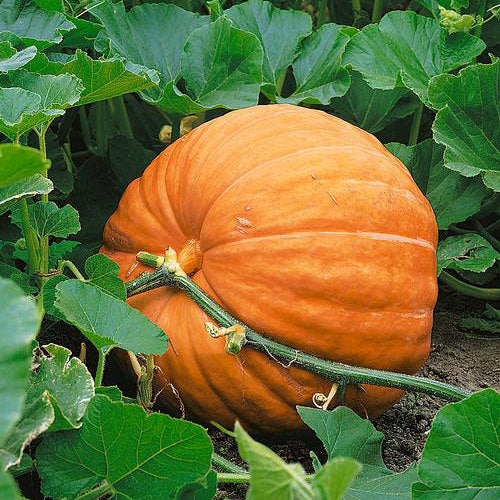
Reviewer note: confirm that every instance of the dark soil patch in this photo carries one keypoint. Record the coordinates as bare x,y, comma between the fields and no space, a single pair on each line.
456,358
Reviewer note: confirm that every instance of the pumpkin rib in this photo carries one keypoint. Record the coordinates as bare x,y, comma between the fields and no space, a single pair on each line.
256,168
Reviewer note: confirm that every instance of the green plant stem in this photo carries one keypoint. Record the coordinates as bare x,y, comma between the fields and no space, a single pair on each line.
176,127
489,206
100,127
43,265
30,238
480,11
459,230
468,289
377,11
85,128
233,478
415,125
226,466
63,264
101,361
96,493
356,9
493,226
122,117
486,235
336,372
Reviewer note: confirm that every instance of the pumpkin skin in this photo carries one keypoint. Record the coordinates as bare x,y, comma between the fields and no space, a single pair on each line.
305,228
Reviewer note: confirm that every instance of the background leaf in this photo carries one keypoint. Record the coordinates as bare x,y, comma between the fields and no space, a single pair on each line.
468,121
133,451
454,198
107,321
461,455
31,186
18,162
11,59
408,49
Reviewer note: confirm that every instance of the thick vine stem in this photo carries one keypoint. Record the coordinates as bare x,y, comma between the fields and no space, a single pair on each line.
334,371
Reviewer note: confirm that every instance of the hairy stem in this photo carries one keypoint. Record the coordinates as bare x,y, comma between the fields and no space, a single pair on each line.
233,478
226,466
101,139
101,361
337,372
63,264
468,289
43,265
122,117
30,238
415,125
176,127
85,128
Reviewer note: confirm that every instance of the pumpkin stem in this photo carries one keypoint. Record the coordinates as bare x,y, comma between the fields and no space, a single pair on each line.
169,275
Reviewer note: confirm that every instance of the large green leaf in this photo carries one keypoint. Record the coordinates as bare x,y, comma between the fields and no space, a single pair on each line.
461,457
406,49
333,480
279,31
103,273
32,24
10,59
31,186
8,487
47,219
468,121
319,75
373,109
453,197
466,252
345,434
107,321
18,162
139,455
55,93
18,327
228,72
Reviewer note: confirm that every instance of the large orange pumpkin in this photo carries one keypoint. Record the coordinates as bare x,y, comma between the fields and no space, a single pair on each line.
305,228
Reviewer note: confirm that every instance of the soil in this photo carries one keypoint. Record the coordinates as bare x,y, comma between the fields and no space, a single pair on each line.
457,357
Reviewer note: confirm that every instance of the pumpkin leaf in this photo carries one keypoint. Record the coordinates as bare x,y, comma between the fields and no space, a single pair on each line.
107,321
460,457
10,59
468,121
18,277
319,75
31,186
84,34
8,487
373,109
55,93
454,198
333,480
345,434
133,451
203,489
229,74
279,32
18,162
47,219
33,25
20,322
268,472
488,322
466,252
103,273
406,49
58,395
49,295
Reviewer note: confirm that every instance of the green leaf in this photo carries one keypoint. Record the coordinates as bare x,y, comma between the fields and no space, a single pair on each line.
373,109
18,277
279,32
83,37
460,460
10,59
228,74
18,327
112,392
346,434
60,250
8,487
489,322
466,252
18,162
55,94
333,480
406,49
269,473
103,273
454,198
49,295
38,415
47,219
11,194
134,452
107,321
468,121
319,75
203,489
32,24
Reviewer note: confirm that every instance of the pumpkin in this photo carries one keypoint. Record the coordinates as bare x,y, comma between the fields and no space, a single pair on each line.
305,228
